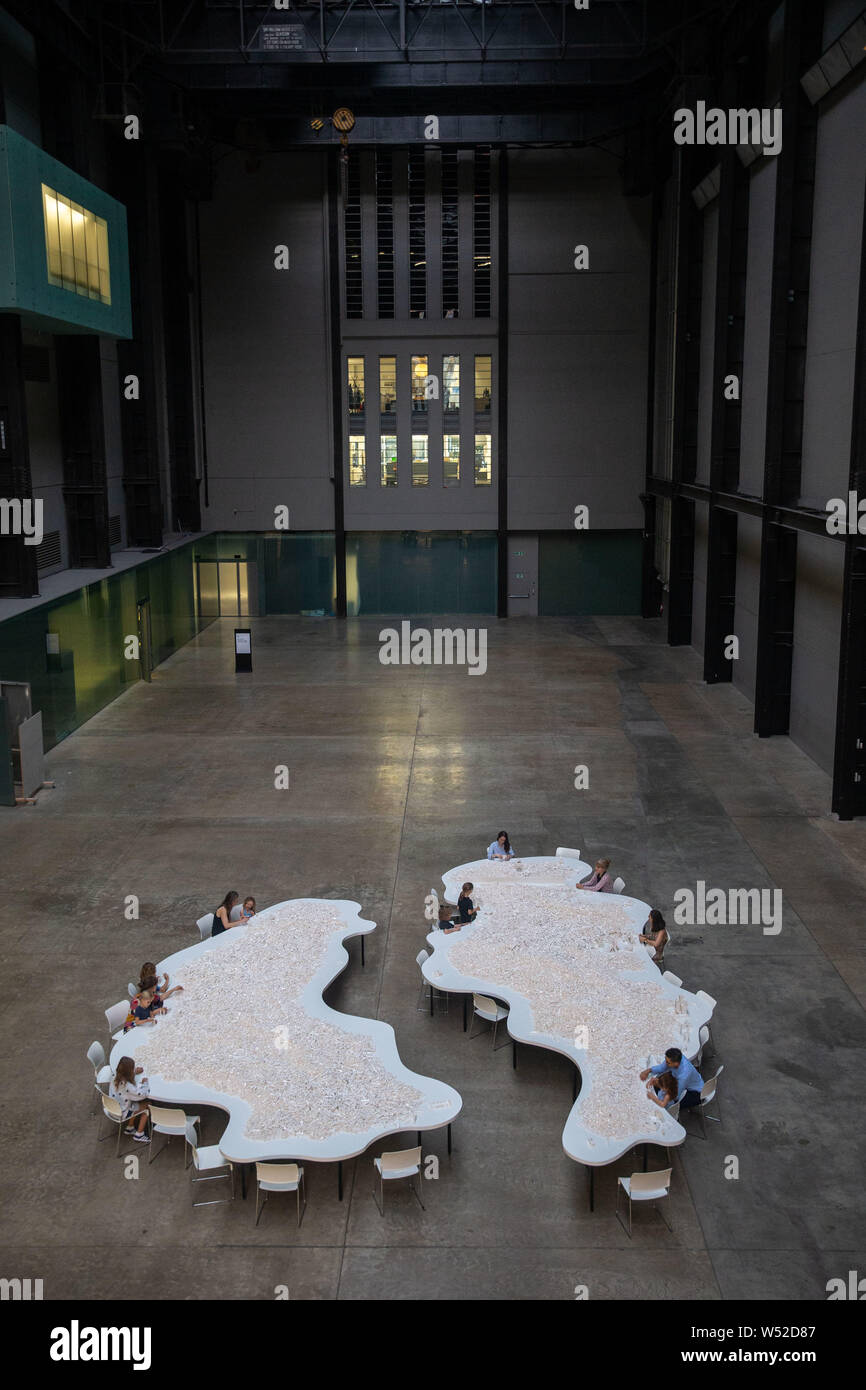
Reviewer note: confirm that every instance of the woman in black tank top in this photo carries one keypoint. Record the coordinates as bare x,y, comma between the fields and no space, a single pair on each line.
221,917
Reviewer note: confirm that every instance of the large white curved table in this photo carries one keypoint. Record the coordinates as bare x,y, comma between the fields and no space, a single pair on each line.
532,879
439,1105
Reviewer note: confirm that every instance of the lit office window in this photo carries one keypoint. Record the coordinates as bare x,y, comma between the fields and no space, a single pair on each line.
357,460
483,384
483,459
356,385
420,467
387,385
451,460
450,383
388,457
419,376
76,244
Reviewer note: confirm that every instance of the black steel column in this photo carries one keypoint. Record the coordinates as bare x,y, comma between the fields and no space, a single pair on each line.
502,390
18,578
185,514
649,597
789,314
687,370
334,203
85,488
849,766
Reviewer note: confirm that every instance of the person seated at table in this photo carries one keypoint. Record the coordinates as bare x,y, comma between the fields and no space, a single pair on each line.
445,922
655,934
130,1095
689,1081
663,1091
501,847
599,881
248,909
148,979
466,912
222,917
143,1009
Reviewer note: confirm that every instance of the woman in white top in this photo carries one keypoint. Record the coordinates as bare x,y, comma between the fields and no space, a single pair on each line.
501,847
124,1088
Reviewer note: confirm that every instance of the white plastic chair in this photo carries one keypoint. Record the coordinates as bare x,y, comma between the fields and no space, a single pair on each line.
708,1095
709,1003
132,990
644,1187
169,1122
618,885
399,1163
422,992
280,1177
671,978
116,1016
235,914
206,1161
204,925
112,1110
491,1012
703,1039
101,1070
563,853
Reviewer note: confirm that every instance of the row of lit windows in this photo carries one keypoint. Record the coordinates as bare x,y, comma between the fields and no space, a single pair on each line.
76,247
483,464
423,387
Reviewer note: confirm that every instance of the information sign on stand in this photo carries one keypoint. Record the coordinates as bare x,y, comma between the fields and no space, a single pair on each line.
243,649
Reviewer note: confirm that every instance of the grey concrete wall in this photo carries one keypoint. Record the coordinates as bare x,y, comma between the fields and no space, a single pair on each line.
112,434
46,453
837,232
746,602
756,345
266,354
577,341
838,14
707,371
816,647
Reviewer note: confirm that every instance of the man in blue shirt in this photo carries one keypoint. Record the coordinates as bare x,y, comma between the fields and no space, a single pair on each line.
689,1081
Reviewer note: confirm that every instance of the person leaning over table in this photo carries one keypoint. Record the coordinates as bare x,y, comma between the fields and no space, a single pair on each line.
466,911
130,1095
445,923
501,847
655,934
599,881
148,979
143,1009
689,1081
222,916
248,909
663,1090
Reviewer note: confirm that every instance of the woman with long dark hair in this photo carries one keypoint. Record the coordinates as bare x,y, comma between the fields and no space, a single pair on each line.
501,847
130,1095
222,916
655,934
663,1090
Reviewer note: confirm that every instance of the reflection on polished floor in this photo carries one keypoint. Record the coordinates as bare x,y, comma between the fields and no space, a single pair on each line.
395,774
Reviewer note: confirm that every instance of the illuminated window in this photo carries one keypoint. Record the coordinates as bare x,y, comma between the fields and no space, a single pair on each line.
357,460
76,244
387,385
419,377
451,460
483,384
483,459
388,458
450,383
420,467
356,385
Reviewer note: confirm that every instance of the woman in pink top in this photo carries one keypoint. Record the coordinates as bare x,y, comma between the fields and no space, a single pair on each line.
599,880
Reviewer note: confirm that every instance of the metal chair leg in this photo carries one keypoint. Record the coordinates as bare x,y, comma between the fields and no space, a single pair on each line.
261,1198
417,1198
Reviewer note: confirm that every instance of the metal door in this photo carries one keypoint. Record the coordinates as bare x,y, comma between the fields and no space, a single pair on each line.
522,576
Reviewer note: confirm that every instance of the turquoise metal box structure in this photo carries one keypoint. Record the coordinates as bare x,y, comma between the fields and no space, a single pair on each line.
24,285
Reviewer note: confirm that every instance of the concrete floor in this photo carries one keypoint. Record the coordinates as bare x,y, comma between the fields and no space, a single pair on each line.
397,773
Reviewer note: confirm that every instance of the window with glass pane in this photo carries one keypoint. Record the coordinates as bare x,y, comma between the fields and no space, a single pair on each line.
356,385
387,385
419,376
357,460
450,277
420,465
385,232
76,246
481,243
417,235
483,459
483,384
352,217
388,459
451,460
450,383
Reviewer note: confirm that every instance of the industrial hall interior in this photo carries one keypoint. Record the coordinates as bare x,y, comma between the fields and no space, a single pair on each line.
433,559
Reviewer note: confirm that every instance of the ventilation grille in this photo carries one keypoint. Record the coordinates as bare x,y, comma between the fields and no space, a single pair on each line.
114,530
48,553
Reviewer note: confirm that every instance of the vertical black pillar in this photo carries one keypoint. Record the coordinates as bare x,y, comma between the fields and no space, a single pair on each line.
177,318
336,376
849,765
789,313
687,370
649,598
502,393
18,578
85,489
